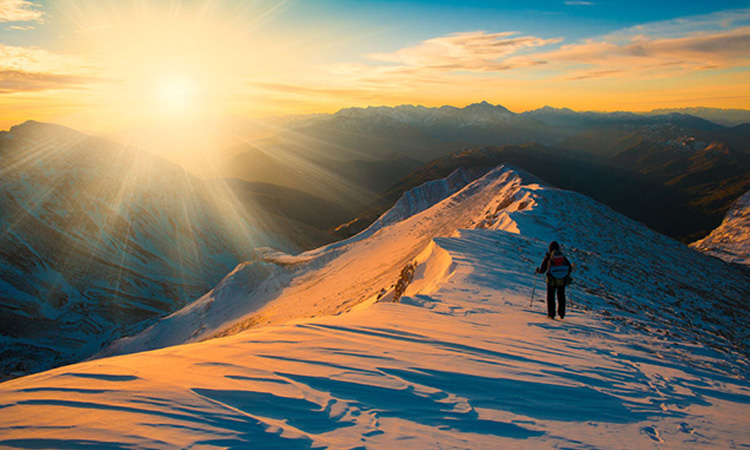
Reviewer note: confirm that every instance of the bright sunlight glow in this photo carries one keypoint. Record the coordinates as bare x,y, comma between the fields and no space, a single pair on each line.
175,93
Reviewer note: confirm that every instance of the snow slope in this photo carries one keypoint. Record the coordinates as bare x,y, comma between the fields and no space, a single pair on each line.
730,241
649,355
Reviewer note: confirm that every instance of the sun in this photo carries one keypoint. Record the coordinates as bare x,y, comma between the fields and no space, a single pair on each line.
175,93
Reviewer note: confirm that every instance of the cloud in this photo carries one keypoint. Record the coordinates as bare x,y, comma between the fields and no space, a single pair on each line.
31,59
578,3
709,42
20,11
640,54
596,74
12,81
28,69
473,52
26,28
684,26
439,60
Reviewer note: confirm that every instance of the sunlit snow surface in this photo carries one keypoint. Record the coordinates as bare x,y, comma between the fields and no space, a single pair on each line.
650,355
731,240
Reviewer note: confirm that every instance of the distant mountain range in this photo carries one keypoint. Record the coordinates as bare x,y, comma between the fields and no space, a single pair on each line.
726,117
422,133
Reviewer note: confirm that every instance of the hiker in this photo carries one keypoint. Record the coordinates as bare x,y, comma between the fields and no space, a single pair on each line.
558,268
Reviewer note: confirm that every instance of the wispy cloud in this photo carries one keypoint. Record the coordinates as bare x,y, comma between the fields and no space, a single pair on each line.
644,56
473,52
12,81
685,26
32,59
595,74
578,3
440,59
20,11
26,69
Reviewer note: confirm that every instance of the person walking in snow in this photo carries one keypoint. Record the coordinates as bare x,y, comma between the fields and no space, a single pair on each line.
558,268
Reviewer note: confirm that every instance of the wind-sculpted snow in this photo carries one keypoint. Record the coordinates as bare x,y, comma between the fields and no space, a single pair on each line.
650,355
731,240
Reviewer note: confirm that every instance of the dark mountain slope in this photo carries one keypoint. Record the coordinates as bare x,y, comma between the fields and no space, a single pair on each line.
348,184
289,203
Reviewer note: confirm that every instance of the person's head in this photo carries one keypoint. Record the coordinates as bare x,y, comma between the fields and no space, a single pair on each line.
554,246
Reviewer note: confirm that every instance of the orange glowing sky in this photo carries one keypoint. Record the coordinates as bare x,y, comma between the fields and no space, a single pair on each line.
106,66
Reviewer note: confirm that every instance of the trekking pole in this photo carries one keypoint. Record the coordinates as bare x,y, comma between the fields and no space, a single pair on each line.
531,303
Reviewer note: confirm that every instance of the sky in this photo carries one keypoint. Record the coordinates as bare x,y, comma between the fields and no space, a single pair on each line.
105,66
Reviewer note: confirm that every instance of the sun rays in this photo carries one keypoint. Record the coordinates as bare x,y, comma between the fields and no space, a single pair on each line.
111,219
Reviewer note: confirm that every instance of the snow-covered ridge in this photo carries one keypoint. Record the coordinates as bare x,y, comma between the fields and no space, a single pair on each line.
334,278
650,355
730,241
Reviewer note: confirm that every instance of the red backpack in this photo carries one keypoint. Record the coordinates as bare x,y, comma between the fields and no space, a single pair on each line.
558,268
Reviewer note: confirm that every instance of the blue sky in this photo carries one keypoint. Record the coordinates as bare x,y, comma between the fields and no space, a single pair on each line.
415,20
575,19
